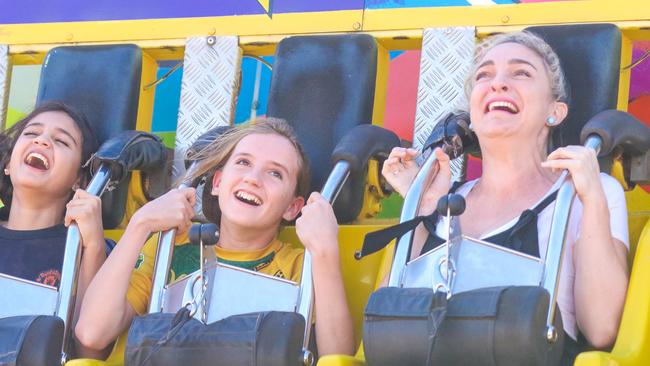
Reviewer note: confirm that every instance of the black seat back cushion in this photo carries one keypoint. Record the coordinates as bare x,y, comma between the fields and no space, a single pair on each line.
324,86
104,83
590,55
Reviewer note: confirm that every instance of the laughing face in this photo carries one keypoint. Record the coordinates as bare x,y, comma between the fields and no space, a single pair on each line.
511,94
47,155
256,186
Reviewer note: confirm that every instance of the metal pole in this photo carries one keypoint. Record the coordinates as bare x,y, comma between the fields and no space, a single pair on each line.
72,260
557,241
410,211
330,191
164,259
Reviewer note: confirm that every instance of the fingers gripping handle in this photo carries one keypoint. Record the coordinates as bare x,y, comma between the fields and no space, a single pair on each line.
453,135
617,128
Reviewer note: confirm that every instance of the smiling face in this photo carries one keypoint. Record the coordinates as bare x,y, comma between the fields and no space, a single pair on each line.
257,184
47,155
511,94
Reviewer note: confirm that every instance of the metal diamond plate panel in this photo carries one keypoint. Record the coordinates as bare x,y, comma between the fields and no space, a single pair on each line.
444,64
5,76
209,90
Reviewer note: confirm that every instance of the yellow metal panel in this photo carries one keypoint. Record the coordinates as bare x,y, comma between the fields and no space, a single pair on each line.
359,276
381,84
515,14
157,29
624,80
638,212
631,346
145,103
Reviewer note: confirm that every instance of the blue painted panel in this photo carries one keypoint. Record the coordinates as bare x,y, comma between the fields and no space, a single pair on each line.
166,101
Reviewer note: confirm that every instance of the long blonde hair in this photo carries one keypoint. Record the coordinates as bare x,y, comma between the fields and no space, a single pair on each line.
216,154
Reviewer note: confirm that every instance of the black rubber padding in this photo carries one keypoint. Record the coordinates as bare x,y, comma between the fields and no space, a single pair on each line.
453,134
129,151
618,129
362,143
324,86
254,339
453,202
202,142
209,203
31,340
104,83
590,55
208,234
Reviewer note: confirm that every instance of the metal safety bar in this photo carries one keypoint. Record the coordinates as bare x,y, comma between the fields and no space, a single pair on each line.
330,191
164,258
557,240
72,260
409,211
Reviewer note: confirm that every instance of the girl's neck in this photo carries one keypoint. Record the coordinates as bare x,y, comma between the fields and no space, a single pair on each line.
232,237
30,213
512,170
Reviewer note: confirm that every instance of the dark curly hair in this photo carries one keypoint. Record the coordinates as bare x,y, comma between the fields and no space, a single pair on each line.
9,137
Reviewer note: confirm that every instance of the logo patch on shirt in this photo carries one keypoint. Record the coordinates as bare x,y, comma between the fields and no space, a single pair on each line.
51,277
140,260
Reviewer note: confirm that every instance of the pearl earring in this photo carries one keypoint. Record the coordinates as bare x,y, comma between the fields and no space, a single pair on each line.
550,121
6,171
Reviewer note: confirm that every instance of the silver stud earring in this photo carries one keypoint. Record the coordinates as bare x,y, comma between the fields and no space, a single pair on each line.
550,121
6,171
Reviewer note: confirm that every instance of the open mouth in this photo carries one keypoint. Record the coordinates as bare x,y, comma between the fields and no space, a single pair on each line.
501,106
248,198
38,161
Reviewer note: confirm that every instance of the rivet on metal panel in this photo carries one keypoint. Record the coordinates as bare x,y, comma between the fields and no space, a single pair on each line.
505,19
356,26
69,37
212,31
448,30
212,40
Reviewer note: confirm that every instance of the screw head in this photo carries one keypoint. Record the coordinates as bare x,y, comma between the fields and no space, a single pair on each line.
551,334
356,26
505,19
212,40
307,357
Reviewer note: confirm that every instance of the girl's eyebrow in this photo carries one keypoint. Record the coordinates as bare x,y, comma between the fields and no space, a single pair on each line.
486,63
272,162
511,62
58,129
521,61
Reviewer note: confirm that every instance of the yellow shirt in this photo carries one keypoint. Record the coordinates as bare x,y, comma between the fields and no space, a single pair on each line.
276,259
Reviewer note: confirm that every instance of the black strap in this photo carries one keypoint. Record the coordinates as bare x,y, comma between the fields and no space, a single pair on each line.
378,240
523,236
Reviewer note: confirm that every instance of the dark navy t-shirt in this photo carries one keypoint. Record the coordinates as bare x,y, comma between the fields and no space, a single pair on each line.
35,255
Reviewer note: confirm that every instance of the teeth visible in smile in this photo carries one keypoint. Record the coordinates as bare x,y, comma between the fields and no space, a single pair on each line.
41,158
248,197
503,105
